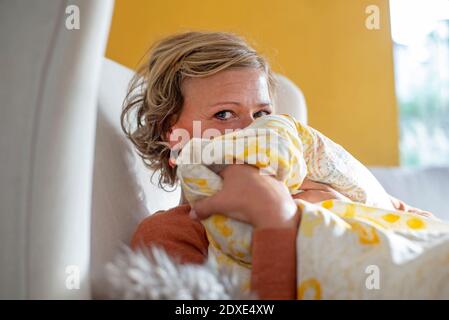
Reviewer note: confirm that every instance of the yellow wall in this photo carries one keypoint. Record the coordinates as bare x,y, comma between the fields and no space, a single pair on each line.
344,69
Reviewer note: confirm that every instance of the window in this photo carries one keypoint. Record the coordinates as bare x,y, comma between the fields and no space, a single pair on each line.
420,32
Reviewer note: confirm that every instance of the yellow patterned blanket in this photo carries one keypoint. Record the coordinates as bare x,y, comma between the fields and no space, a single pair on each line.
362,249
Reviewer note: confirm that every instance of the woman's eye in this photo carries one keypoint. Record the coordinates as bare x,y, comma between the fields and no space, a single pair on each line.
223,115
261,113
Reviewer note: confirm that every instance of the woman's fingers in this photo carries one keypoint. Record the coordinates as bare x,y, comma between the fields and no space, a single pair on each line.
402,206
247,196
421,212
312,185
206,207
314,196
318,195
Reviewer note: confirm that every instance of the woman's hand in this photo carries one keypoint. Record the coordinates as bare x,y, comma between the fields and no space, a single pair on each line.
248,196
317,192
401,205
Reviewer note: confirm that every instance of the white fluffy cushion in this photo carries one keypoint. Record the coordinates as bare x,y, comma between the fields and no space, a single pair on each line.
154,275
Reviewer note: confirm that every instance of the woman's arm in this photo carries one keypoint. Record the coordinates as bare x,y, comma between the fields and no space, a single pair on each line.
181,237
316,192
273,273
267,205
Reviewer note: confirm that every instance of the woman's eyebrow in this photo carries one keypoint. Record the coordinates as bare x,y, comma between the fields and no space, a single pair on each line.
225,102
260,104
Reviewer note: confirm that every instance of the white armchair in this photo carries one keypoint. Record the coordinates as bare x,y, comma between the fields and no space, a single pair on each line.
49,89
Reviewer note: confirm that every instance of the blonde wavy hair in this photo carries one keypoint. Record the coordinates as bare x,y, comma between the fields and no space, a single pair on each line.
154,100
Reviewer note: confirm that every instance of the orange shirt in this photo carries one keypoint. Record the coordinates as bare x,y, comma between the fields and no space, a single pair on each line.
273,274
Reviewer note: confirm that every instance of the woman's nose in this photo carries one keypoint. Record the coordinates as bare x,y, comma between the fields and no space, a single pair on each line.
247,121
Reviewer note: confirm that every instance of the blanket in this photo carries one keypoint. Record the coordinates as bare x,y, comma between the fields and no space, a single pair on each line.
357,249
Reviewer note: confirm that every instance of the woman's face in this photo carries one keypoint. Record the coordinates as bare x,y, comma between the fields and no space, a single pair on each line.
230,99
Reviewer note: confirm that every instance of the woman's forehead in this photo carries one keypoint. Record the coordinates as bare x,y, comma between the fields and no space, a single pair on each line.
228,85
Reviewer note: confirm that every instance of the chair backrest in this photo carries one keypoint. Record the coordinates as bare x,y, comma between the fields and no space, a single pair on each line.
48,93
122,191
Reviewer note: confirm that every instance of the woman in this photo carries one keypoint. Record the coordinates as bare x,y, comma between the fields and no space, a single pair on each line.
218,81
